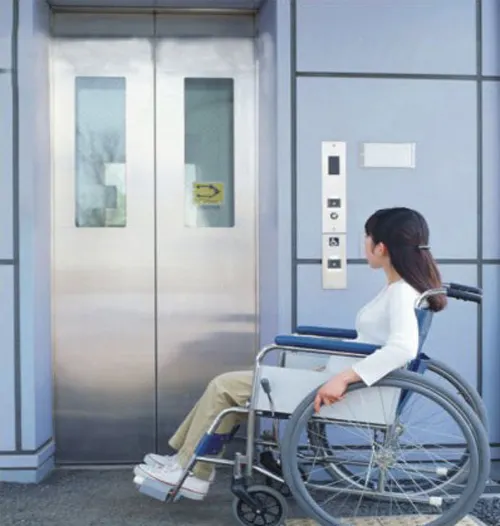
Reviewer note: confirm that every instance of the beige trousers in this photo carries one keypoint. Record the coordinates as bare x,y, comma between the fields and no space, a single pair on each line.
224,391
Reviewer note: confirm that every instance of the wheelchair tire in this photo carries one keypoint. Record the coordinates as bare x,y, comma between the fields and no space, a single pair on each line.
280,487
463,387
474,431
275,508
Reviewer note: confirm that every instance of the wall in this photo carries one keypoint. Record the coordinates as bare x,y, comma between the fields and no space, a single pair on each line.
425,71
8,358
417,71
268,217
489,102
273,51
35,224
26,446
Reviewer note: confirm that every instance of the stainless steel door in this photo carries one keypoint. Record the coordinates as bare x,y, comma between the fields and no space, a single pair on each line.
154,230
205,216
104,275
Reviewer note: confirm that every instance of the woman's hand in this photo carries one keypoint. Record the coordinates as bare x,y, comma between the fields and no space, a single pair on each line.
334,390
331,392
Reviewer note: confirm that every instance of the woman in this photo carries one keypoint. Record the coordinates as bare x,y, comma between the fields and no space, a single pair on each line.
396,240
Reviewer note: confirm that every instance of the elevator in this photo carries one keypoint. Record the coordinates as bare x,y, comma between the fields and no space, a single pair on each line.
154,223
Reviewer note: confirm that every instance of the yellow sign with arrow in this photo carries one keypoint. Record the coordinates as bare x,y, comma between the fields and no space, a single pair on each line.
208,194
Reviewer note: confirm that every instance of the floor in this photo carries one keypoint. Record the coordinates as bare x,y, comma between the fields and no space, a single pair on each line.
91,498
108,497
389,521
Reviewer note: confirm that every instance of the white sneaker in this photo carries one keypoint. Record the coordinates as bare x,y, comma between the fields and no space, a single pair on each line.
193,487
138,480
168,462
160,461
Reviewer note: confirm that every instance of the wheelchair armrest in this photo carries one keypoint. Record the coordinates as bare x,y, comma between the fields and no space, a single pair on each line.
327,332
326,344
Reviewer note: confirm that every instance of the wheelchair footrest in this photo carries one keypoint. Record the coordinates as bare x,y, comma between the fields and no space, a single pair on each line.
153,488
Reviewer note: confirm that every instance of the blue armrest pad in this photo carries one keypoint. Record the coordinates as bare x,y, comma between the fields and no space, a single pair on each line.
327,344
327,332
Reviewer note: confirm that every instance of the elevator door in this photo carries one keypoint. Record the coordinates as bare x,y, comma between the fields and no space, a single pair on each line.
154,233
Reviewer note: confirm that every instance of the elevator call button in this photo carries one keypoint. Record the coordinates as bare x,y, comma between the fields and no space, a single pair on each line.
334,263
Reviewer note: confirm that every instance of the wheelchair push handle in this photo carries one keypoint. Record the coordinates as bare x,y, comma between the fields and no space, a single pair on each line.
464,292
464,295
465,288
453,290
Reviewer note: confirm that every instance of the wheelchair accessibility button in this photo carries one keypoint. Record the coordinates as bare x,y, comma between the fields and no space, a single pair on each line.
334,241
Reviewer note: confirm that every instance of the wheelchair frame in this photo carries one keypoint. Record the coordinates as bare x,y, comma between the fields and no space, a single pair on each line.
317,341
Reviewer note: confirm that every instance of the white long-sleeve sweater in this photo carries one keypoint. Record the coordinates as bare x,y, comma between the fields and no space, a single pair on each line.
388,320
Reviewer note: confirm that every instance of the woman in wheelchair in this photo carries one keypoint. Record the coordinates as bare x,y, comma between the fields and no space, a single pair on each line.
396,240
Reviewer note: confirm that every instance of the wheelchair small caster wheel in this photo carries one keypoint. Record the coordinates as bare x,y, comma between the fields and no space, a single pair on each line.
279,486
272,508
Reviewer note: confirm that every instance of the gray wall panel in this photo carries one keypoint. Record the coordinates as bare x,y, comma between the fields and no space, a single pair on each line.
334,308
35,227
491,346
491,37
284,163
399,36
439,116
5,33
6,226
7,369
268,213
491,170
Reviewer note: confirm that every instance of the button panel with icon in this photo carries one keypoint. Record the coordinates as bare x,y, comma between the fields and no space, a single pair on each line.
334,215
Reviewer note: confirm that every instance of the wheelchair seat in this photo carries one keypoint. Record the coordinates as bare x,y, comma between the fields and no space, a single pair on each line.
281,400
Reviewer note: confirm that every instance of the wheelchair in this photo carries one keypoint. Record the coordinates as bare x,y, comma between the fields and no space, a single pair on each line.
379,452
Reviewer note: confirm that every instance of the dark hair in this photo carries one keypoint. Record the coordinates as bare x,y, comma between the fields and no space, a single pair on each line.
405,234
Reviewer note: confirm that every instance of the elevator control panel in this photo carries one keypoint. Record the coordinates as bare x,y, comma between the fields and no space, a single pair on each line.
334,217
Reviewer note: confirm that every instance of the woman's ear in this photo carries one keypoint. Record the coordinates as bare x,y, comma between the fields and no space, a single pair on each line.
381,250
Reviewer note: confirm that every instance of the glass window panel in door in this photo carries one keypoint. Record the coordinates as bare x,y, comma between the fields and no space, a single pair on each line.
100,152
209,152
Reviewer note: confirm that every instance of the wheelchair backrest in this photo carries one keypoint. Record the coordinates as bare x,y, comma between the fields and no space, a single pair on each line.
424,319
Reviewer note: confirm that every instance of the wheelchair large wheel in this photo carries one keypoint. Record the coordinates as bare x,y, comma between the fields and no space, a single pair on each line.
458,384
447,378
397,471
